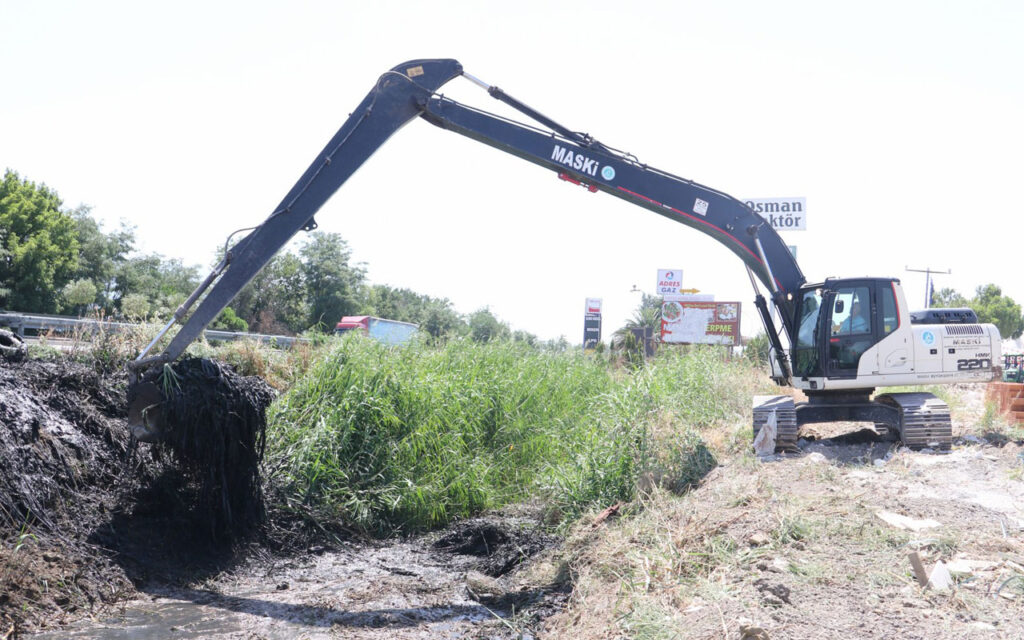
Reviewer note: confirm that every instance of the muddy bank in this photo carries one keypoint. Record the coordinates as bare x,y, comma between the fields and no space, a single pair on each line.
105,537
66,462
86,512
395,590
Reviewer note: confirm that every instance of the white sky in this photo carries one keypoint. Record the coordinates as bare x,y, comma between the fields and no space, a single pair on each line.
902,123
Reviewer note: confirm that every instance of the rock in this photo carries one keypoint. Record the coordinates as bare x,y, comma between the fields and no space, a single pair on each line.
751,631
940,579
963,568
904,522
816,458
879,462
758,539
483,588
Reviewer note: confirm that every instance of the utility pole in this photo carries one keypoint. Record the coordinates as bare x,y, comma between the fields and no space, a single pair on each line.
928,282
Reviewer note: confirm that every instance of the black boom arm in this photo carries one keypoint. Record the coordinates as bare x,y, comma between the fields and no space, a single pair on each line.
409,90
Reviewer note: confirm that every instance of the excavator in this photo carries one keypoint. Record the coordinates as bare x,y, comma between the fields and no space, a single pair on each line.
845,337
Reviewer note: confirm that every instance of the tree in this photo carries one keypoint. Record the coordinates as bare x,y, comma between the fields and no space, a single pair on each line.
948,299
333,286
78,294
484,326
435,316
440,320
275,300
646,319
135,306
165,283
40,245
992,306
228,320
100,254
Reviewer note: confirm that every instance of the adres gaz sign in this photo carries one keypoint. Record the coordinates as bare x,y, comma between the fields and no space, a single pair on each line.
669,282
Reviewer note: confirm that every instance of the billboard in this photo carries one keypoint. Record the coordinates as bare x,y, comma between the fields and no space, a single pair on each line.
692,322
783,214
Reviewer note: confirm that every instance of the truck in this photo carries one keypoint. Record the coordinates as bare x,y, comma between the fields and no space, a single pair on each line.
840,338
380,329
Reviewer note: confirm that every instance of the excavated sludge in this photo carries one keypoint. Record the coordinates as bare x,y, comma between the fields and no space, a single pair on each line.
924,420
785,420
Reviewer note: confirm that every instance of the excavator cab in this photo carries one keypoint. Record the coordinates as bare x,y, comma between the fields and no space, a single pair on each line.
839,321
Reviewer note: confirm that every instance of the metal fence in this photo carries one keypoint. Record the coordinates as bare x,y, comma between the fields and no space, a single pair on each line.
20,322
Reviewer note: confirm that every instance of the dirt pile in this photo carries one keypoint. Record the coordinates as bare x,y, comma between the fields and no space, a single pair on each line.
87,513
66,460
499,544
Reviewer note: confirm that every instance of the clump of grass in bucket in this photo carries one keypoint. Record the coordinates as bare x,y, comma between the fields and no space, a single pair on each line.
400,439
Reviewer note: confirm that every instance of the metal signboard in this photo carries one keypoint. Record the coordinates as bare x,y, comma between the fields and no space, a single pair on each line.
669,282
591,330
593,305
690,322
784,214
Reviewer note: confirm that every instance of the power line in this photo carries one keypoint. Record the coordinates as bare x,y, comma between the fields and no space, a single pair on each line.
928,282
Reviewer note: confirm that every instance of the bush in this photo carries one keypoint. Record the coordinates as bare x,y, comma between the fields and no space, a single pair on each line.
400,439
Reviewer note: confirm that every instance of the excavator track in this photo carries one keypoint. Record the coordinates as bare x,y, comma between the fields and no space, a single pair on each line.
924,420
785,420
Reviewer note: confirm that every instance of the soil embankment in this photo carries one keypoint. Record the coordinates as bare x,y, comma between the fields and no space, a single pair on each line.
106,537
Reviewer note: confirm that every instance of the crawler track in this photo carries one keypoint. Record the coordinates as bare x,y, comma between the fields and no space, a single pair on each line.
924,420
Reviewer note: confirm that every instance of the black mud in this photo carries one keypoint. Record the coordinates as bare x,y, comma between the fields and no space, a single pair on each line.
66,462
216,431
499,544
90,519
87,514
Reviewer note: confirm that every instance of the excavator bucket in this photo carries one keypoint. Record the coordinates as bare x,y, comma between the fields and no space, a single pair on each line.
145,412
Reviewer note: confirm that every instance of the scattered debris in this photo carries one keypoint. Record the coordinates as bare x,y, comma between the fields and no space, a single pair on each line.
608,513
501,545
484,588
775,594
907,523
12,347
918,566
940,579
751,631
816,458
764,443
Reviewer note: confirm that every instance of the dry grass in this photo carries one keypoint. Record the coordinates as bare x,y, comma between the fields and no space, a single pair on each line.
795,547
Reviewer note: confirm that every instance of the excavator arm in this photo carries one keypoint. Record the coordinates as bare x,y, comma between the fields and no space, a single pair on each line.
411,89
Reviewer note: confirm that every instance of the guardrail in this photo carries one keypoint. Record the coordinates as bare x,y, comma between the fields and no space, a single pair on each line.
20,322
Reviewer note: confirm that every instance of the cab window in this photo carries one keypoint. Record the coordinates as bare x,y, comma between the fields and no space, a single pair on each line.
890,316
851,313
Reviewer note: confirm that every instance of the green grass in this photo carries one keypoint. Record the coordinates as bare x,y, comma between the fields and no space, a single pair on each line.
404,439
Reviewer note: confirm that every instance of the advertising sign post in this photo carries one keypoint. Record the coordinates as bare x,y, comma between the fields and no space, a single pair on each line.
592,324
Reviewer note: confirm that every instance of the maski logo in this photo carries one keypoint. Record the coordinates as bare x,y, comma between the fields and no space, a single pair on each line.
576,161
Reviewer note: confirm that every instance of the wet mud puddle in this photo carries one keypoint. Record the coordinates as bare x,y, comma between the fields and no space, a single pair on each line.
403,590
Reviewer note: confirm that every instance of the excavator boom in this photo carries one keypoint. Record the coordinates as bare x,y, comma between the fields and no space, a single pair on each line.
409,90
